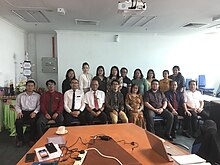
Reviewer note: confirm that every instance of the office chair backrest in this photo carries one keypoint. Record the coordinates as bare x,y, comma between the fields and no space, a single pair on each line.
205,145
201,81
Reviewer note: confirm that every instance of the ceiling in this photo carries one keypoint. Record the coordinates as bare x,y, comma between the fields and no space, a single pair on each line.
161,16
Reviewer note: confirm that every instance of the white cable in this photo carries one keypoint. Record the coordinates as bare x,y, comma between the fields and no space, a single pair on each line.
105,156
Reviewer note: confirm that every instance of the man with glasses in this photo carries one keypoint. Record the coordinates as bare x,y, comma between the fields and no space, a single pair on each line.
95,104
156,105
115,103
74,104
51,107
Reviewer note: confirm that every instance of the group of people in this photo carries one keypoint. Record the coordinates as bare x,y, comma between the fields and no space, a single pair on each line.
110,99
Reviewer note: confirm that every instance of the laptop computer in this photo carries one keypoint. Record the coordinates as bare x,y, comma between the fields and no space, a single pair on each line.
163,148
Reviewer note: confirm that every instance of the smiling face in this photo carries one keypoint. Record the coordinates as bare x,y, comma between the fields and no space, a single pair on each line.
30,87
192,86
94,85
71,74
175,71
100,72
165,75
74,84
85,69
155,85
135,89
114,71
51,86
173,86
124,72
137,74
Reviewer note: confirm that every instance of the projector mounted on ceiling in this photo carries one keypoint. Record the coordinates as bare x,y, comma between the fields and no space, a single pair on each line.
132,5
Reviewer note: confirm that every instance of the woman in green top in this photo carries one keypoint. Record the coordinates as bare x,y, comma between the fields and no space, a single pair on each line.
139,80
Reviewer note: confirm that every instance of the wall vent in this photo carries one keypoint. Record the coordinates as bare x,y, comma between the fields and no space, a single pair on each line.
86,22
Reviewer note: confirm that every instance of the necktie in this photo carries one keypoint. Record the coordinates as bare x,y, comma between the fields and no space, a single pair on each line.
174,102
50,105
73,101
96,102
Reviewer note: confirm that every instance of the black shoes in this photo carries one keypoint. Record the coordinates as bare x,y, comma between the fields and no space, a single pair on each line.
186,134
168,137
173,134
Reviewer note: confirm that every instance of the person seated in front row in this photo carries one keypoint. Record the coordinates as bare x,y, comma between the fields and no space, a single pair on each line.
74,104
27,107
51,107
195,105
156,104
115,103
135,105
95,104
176,105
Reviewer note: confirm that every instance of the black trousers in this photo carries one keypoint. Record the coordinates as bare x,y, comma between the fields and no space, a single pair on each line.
42,122
166,115
186,120
26,119
102,117
194,119
68,118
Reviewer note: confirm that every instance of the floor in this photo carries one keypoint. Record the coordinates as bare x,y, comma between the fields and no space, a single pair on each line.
10,154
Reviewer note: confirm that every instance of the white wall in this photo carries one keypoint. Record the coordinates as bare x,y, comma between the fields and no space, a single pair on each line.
12,44
40,45
196,54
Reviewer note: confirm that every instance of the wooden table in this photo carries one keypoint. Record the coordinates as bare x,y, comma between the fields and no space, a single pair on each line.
128,132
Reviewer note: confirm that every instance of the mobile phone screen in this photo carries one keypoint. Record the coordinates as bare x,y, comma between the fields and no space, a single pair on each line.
29,157
43,153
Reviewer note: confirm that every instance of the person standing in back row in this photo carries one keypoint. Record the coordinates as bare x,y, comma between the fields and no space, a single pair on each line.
70,74
177,76
85,78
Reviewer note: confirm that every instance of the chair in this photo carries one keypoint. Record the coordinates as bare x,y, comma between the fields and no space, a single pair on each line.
158,119
202,86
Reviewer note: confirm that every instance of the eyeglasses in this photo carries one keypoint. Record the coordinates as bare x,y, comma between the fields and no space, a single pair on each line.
49,85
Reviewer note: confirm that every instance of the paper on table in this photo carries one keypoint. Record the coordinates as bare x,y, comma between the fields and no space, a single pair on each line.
56,140
188,159
51,155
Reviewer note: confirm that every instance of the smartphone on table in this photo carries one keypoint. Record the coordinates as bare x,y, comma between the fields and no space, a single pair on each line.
29,157
43,153
50,148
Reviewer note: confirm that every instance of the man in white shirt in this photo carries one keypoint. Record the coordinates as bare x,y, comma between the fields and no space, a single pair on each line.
95,104
195,104
27,107
74,104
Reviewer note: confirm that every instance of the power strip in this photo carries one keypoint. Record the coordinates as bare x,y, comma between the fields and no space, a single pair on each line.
82,157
